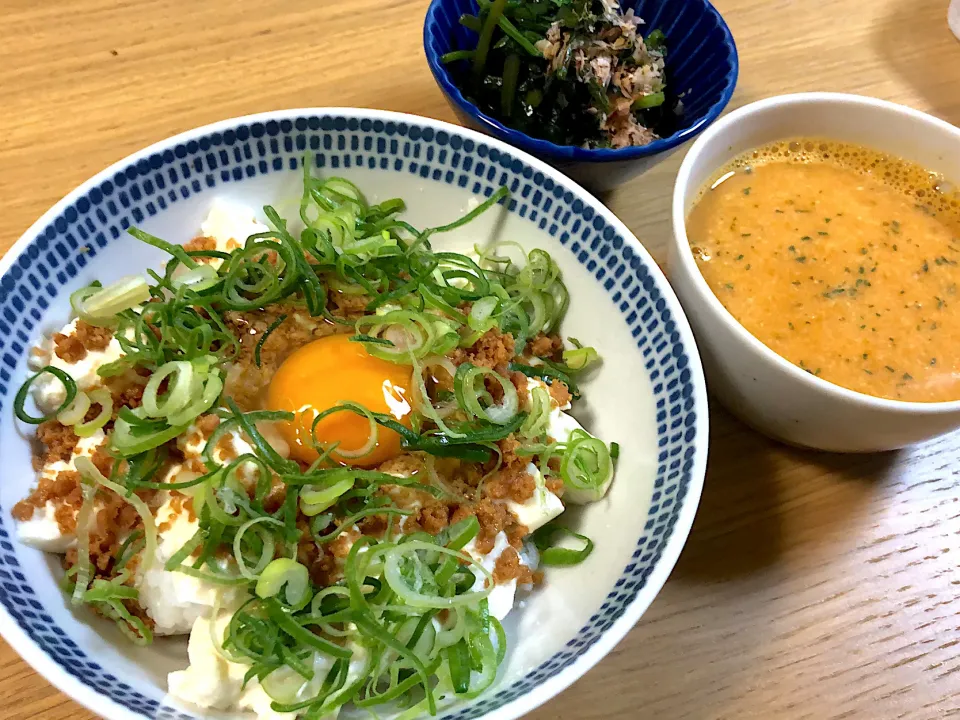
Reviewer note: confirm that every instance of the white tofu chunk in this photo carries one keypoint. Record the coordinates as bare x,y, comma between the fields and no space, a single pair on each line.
42,531
230,224
560,427
541,508
175,600
213,681
210,681
501,599
48,392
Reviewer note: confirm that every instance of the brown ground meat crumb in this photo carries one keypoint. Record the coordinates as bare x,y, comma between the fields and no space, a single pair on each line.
546,346
179,504
246,383
434,517
560,393
92,337
64,490
74,347
347,305
127,390
201,243
206,424
492,349
405,465
513,483
228,451
555,485
321,564
509,568
103,460
508,449
493,518
68,348
274,499
113,521
519,381
461,477
340,547
374,526
59,440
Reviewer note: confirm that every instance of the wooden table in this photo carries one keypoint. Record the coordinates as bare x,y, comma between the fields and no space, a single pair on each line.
812,586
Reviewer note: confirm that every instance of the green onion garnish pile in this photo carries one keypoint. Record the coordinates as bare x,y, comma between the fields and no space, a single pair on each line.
403,620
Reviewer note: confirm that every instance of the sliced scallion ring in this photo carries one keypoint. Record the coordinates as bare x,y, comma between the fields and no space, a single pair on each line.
75,411
104,304
69,385
554,556
469,388
103,398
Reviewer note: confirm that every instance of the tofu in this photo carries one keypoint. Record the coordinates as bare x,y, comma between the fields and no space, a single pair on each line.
42,531
48,392
211,681
541,508
174,600
560,427
230,224
501,599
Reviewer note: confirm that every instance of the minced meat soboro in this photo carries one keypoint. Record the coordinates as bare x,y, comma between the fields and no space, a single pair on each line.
842,260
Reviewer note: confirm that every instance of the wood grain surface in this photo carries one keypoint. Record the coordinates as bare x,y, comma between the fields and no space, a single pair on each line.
812,586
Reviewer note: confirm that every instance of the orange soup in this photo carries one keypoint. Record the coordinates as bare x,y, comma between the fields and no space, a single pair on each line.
841,259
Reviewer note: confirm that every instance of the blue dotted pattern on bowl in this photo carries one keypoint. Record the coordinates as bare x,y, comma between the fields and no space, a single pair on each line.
702,67
150,185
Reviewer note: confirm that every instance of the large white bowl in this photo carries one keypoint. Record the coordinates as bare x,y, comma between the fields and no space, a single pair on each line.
648,394
769,393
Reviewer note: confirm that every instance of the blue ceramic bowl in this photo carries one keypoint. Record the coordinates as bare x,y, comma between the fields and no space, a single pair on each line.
648,393
702,65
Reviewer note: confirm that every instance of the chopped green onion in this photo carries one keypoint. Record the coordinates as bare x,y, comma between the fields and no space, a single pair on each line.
486,37
580,358
100,306
103,398
70,387
288,575
456,55
75,411
553,556
314,501
263,338
469,394
652,100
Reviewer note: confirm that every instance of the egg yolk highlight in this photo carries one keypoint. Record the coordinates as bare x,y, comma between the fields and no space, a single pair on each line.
327,372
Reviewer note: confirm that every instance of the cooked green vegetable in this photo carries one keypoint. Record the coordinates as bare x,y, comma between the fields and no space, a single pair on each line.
575,72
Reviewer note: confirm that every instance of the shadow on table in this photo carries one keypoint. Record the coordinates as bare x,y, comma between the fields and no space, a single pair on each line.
739,530
915,40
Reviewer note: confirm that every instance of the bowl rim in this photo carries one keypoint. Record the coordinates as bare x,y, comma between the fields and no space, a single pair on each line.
609,638
716,134
575,153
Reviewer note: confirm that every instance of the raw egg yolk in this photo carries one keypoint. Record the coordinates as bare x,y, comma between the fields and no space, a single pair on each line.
330,371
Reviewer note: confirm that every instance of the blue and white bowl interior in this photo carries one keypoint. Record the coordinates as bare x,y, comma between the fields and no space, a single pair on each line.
648,395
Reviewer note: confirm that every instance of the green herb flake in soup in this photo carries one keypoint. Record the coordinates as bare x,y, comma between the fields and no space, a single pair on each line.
854,258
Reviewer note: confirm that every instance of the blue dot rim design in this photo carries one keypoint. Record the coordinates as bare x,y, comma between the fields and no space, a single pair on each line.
440,26
70,235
